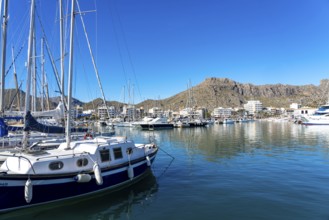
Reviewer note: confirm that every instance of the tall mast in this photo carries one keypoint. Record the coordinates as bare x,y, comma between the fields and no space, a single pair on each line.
47,96
34,76
42,75
29,70
61,49
3,55
70,78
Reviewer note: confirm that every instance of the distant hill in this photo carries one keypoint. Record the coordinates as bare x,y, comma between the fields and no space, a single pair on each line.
11,100
217,92
223,92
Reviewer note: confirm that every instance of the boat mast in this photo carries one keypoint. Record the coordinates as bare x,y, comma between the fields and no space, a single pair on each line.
42,75
47,95
3,54
29,70
70,78
61,20
34,76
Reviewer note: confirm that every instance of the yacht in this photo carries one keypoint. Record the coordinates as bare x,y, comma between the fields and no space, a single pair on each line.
320,117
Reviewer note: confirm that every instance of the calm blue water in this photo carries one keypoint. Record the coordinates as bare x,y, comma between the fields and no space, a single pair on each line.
260,170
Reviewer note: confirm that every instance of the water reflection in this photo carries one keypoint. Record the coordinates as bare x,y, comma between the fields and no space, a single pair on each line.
115,205
226,141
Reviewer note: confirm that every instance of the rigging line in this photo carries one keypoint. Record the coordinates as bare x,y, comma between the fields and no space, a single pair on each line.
82,63
12,63
16,93
128,51
50,55
93,60
23,25
118,46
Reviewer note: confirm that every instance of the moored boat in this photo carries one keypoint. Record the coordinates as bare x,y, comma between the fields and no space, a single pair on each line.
76,168
320,117
157,123
84,167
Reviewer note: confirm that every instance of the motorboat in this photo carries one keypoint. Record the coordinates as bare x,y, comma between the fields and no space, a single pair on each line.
157,123
228,121
320,116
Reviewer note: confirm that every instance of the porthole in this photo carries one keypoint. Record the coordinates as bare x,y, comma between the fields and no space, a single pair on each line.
82,162
57,165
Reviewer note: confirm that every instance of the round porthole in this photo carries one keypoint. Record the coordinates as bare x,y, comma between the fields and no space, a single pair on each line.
82,162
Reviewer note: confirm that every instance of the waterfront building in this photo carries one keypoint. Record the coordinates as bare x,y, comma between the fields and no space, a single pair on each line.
295,106
155,111
253,106
221,112
129,111
186,112
79,109
112,112
102,112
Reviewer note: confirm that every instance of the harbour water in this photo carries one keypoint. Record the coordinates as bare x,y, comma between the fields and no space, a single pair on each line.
259,170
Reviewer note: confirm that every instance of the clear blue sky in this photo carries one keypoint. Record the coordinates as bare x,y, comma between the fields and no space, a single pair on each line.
157,46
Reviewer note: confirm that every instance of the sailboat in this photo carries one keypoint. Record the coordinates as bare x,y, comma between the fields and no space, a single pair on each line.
74,169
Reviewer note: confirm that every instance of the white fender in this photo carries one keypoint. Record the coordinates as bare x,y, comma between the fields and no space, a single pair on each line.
130,172
148,161
82,178
28,191
98,175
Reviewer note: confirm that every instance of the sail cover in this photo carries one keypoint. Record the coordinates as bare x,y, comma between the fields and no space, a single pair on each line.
31,124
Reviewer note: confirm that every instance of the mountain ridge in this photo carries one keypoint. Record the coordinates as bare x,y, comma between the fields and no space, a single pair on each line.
217,92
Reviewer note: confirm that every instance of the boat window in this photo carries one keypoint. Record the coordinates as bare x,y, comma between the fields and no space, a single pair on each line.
82,162
105,155
117,153
57,165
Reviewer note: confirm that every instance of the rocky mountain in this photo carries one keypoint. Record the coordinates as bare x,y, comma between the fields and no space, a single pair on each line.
223,92
218,92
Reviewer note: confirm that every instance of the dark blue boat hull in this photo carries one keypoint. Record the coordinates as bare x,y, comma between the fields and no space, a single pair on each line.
12,197
156,126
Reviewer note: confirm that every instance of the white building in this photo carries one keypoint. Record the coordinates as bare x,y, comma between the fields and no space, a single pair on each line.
79,109
129,111
155,111
201,112
295,106
221,112
253,106
102,112
186,112
112,112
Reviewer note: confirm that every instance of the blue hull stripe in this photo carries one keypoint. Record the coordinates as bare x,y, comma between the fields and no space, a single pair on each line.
13,197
